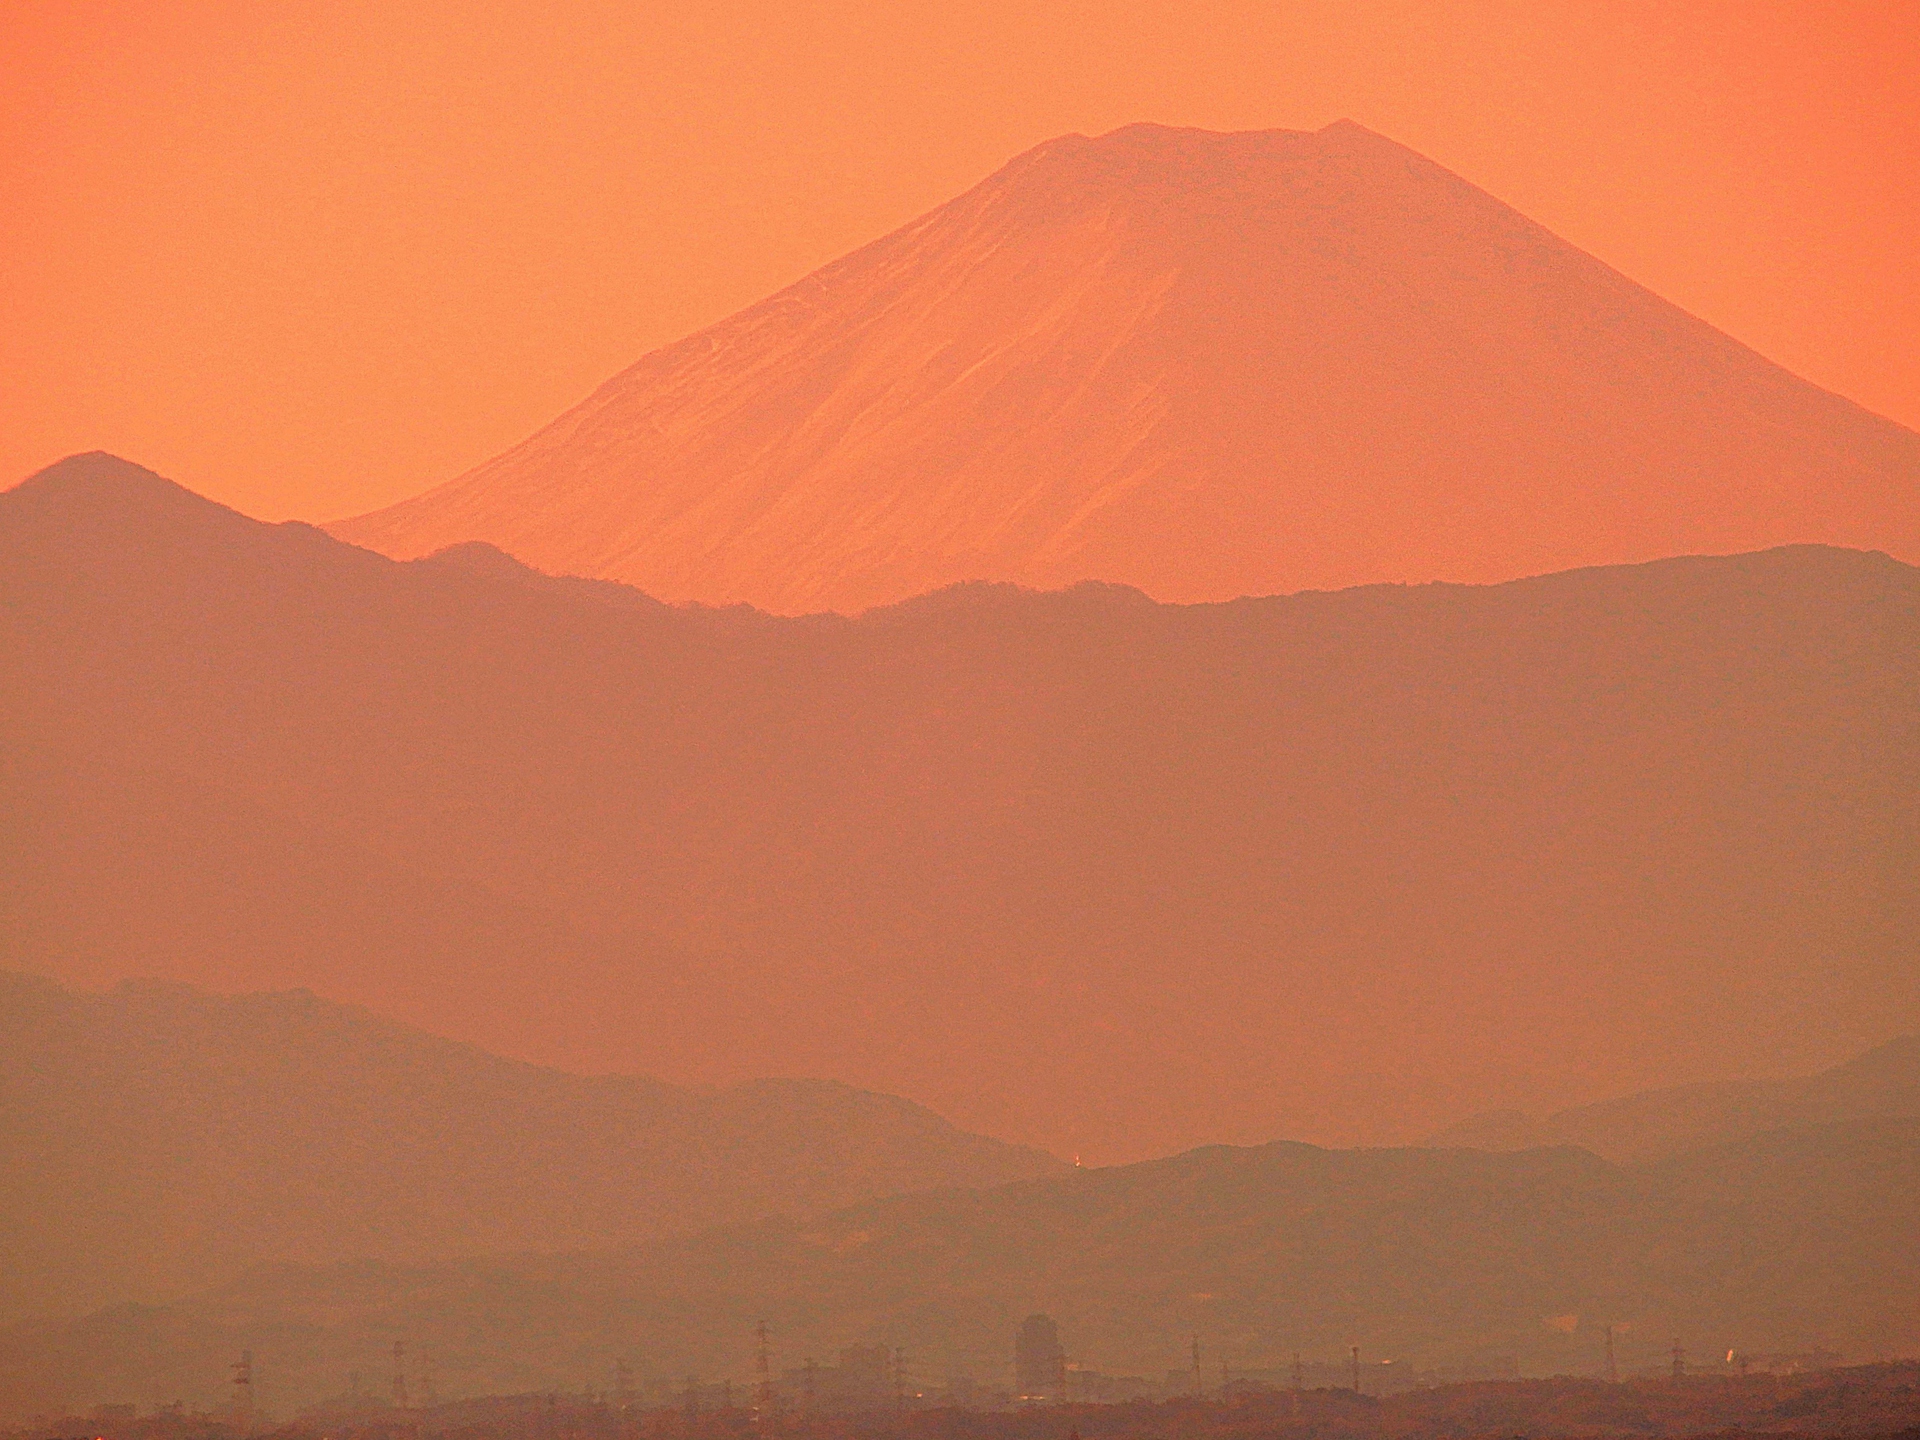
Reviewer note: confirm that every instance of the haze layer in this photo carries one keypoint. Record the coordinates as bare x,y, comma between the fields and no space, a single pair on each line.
1075,868
1206,365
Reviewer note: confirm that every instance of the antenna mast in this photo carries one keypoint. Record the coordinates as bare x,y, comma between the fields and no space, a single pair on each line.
763,1369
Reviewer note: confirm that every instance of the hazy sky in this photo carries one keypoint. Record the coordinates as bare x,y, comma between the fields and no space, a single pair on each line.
311,259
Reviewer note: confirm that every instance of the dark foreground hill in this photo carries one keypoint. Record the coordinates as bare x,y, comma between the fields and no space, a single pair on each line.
1207,365
1113,877
1785,1242
158,1140
1885,1083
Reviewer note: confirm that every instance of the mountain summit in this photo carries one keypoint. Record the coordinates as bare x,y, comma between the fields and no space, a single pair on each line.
1203,364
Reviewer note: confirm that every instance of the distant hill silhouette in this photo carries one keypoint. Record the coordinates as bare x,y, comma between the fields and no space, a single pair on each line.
1786,1241
1075,868
159,1139
1206,365
1883,1084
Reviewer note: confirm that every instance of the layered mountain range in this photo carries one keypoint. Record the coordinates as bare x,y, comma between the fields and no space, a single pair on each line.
160,1140
1882,1084
1077,869
1204,365
1785,1240
1197,847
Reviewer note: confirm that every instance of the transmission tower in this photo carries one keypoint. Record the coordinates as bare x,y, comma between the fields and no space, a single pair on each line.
1299,1375
1613,1371
622,1384
1679,1360
1198,1387
243,1384
429,1397
763,1371
400,1376
1356,1369
899,1378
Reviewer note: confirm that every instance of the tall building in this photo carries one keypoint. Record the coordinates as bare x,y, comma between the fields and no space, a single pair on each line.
1039,1364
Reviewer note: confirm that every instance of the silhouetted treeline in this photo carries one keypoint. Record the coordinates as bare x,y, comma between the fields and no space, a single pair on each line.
1858,1401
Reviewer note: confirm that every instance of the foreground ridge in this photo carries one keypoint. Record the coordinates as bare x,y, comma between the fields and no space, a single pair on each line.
1109,877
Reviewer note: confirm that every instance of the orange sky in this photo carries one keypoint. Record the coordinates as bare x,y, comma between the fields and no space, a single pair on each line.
311,259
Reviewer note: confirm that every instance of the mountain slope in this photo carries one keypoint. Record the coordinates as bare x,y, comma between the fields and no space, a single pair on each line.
1204,365
189,1136
1784,1242
1883,1084
1108,876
